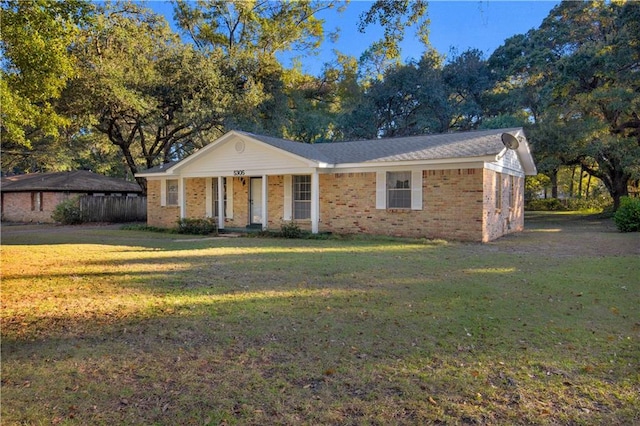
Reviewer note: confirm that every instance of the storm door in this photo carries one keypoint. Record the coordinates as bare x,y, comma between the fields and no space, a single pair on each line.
255,201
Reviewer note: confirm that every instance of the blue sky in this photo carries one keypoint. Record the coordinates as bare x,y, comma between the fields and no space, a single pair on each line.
461,25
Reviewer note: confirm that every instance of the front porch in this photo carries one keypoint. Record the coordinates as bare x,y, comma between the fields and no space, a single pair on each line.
252,202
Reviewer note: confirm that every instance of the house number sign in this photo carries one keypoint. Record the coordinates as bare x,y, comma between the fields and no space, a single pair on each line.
238,172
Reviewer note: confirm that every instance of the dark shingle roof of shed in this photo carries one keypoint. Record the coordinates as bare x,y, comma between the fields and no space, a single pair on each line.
74,181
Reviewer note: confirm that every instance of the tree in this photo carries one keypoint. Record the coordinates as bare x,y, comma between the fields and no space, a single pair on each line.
395,16
35,40
577,76
248,36
468,79
154,97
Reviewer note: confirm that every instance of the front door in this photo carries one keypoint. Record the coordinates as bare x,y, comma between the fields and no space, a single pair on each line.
255,201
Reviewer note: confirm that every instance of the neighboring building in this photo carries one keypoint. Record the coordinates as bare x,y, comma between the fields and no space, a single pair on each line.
463,186
33,197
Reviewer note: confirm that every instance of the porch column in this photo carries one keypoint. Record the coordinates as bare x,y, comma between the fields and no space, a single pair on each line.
264,202
221,197
183,197
208,197
315,201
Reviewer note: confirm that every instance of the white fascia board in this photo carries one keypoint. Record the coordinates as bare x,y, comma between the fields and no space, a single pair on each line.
501,169
526,159
524,154
438,164
253,172
157,175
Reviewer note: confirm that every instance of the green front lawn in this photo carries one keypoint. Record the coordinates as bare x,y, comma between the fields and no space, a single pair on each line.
104,326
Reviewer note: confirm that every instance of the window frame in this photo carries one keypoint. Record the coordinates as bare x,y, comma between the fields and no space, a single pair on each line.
301,185
398,198
170,195
498,191
512,192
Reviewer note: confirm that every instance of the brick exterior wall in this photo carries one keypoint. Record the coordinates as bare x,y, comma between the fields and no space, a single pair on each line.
508,218
458,204
157,215
196,195
452,203
17,206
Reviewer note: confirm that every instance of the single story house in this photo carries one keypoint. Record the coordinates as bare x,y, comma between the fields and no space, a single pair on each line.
33,197
462,186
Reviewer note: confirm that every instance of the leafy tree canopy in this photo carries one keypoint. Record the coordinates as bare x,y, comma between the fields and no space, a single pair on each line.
34,42
578,77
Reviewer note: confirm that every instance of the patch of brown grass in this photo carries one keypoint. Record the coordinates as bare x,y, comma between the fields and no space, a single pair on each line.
107,326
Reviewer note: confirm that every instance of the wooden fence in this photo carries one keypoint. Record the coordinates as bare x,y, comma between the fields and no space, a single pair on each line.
113,209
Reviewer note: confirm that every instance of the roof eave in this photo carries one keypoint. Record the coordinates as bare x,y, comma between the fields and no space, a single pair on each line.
409,163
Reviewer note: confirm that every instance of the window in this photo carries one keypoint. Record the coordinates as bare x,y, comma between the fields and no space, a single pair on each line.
399,190
512,192
498,195
36,201
302,197
172,192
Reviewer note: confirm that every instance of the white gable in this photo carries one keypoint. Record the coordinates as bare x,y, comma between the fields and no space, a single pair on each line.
241,155
511,162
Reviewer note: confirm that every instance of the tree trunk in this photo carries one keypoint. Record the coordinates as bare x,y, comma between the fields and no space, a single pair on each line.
571,183
554,183
619,189
580,183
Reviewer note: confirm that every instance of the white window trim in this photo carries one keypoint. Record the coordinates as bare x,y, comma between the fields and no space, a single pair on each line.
163,192
287,214
416,189
293,200
381,190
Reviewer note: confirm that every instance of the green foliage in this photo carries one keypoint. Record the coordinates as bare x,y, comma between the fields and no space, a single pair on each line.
627,217
395,16
291,230
68,212
129,59
545,205
195,226
573,76
597,204
35,40
145,227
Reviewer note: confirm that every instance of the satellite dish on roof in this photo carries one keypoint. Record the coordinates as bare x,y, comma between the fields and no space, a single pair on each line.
510,141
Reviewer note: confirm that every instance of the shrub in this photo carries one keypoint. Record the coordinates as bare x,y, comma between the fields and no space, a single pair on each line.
290,230
194,226
627,217
142,227
595,204
68,212
545,205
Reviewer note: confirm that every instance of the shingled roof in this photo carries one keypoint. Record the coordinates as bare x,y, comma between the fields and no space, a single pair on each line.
74,181
424,147
475,144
